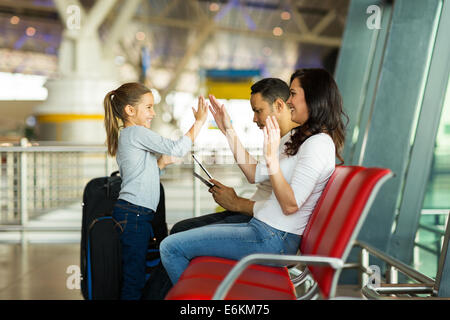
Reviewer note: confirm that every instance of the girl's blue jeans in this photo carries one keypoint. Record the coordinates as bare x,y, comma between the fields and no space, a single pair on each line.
232,241
134,237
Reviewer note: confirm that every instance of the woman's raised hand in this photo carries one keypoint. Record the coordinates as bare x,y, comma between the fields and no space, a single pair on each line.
202,110
220,114
271,144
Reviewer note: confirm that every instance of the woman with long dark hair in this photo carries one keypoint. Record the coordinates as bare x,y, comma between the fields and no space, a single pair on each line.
298,176
316,90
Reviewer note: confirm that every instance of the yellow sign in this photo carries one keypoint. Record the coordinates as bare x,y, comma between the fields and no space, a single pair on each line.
68,117
229,90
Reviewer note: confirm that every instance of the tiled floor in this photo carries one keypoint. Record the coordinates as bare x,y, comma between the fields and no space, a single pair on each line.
42,271
34,265
44,265
38,271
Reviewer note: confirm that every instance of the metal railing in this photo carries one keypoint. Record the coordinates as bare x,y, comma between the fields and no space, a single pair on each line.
433,246
35,179
424,285
430,287
393,266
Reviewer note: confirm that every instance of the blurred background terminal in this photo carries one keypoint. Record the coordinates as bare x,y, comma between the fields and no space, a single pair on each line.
58,58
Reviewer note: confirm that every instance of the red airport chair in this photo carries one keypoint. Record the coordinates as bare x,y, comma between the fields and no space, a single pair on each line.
326,244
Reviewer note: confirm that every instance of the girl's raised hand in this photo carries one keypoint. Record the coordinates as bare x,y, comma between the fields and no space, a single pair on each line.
202,110
271,144
200,116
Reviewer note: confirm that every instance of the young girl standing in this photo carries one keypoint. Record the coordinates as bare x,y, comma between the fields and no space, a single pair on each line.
136,150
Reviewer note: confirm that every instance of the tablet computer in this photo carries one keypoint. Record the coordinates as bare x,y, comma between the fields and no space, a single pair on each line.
206,182
203,168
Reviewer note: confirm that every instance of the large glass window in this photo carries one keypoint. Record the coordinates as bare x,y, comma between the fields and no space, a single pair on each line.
436,204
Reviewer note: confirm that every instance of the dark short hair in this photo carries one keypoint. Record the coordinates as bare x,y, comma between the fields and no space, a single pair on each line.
271,89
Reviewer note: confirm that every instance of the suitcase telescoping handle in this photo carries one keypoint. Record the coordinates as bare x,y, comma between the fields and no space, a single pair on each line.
109,181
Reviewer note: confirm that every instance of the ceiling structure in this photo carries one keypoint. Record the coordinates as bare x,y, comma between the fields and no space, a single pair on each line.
184,36
170,43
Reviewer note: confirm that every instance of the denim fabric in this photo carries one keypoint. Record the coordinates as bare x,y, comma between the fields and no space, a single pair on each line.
232,241
159,284
134,237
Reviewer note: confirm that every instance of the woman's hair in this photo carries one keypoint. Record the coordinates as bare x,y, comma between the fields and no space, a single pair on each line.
114,103
325,111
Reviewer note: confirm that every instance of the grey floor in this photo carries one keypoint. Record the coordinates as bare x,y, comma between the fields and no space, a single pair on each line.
41,265
48,271
38,271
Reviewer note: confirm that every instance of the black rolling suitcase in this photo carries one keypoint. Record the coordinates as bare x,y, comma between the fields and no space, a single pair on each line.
100,251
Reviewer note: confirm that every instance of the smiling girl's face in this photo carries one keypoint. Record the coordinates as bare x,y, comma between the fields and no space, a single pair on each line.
142,113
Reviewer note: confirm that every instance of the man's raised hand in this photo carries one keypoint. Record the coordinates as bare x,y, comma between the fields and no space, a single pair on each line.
220,114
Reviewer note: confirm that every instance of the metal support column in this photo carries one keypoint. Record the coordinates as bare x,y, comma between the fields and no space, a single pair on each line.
357,72
355,66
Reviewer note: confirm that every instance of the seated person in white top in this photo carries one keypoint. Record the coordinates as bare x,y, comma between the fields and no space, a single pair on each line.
268,98
298,177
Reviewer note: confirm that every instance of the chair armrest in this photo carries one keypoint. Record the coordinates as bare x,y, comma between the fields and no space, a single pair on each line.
235,272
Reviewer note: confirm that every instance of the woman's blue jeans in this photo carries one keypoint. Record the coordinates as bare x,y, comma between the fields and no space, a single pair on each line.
137,230
232,241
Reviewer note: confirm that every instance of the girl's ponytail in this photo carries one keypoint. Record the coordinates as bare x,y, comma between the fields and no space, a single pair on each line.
111,124
114,103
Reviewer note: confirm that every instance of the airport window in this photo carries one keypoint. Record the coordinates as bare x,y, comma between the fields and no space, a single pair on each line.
436,205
